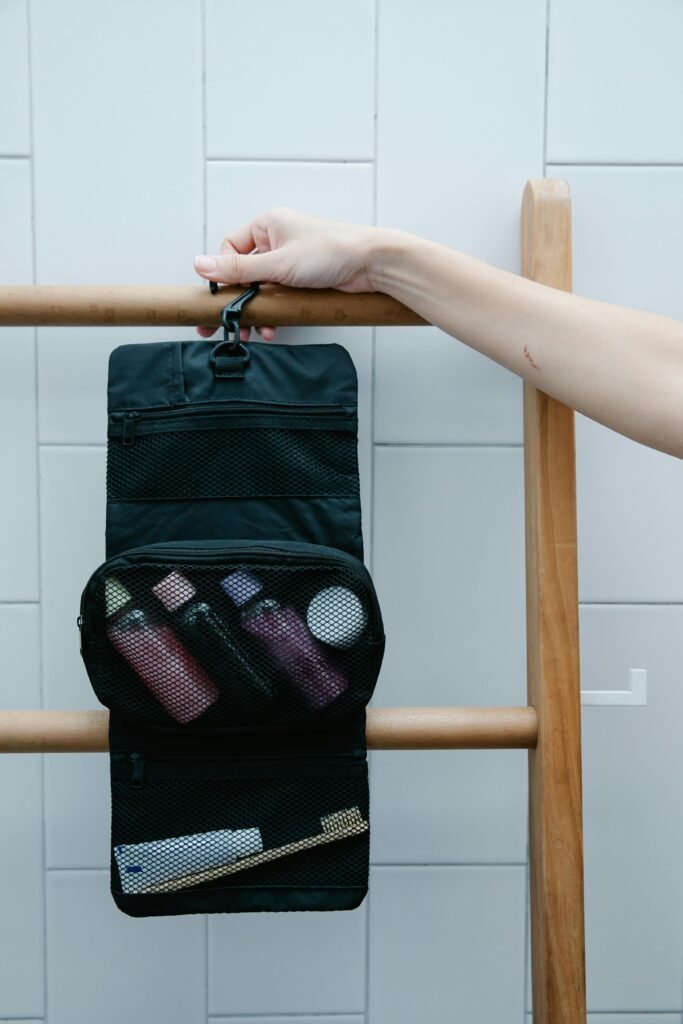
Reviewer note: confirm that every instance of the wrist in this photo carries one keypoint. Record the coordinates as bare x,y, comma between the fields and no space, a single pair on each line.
388,250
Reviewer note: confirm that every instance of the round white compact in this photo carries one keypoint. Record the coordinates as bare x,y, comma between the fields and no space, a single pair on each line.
337,617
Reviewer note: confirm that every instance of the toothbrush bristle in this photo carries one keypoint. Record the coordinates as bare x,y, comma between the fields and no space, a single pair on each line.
341,821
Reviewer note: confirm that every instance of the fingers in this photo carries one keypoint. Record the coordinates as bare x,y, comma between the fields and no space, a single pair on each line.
238,268
242,240
267,333
208,331
204,331
245,256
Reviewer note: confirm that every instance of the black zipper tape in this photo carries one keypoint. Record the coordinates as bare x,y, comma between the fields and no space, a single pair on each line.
133,421
289,551
139,768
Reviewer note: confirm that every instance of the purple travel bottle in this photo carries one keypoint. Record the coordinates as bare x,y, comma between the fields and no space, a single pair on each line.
285,635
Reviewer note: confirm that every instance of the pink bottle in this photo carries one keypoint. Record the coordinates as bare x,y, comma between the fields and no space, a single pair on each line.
284,633
155,654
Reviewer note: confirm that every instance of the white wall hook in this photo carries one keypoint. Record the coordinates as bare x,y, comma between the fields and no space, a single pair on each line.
636,695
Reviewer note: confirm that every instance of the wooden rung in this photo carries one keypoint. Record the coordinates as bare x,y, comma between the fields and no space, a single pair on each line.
187,305
44,732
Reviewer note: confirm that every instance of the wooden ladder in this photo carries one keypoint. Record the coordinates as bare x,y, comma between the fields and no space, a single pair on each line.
550,725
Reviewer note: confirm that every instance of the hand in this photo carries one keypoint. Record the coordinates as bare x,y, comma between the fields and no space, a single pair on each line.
294,249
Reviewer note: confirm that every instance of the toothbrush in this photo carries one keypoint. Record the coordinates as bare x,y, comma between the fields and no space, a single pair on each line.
339,825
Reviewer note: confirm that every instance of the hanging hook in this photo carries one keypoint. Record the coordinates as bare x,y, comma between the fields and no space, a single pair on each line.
230,356
230,314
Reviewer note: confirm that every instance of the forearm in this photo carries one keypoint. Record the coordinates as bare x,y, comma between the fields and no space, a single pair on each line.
620,366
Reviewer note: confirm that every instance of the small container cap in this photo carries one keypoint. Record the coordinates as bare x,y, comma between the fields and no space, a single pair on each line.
115,595
174,590
241,586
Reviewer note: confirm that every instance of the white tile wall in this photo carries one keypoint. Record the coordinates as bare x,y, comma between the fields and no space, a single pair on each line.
118,177
628,550
454,152
634,929
72,544
431,389
290,81
18,470
452,159
22,938
118,140
120,968
446,942
615,82
634,932
15,128
141,133
448,554
287,963
631,1018
337,1019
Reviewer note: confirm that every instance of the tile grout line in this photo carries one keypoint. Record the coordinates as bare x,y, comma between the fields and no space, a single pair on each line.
449,864
308,1014
527,872
285,1016
448,444
332,161
630,604
619,163
41,657
205,200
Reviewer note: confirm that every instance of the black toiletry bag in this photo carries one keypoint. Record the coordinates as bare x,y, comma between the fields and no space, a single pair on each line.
234,631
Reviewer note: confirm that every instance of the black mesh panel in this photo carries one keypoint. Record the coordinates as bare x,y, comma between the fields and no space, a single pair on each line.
206,646
268,461
172,834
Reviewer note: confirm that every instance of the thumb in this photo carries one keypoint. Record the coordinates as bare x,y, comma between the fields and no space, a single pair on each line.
237,268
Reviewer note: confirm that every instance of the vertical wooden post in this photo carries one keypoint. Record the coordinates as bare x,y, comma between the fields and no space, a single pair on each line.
555,787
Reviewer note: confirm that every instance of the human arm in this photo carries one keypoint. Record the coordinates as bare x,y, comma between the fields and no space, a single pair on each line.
620,366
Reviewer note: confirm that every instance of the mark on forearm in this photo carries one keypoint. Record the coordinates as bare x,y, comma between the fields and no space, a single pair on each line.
527,355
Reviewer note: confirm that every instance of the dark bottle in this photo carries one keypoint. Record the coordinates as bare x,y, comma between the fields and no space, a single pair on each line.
208,637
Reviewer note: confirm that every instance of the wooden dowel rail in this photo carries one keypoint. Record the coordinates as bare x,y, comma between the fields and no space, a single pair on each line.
420,728
188,305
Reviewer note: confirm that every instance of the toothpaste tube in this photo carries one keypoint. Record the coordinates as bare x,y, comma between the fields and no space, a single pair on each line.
161,860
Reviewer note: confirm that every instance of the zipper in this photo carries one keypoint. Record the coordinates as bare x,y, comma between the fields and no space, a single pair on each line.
237,407
129,427
217,554
80,622
137,775
321,553
252,765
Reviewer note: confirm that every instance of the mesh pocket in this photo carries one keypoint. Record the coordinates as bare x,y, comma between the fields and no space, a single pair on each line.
191,824
241,643
232,463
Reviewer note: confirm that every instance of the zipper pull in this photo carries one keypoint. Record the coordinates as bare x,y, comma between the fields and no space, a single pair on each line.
138,772
79,623
129,419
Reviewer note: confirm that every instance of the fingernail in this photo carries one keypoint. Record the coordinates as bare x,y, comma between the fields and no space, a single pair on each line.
205,263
